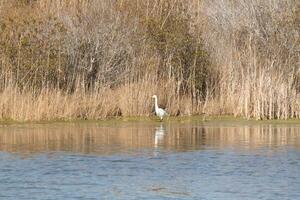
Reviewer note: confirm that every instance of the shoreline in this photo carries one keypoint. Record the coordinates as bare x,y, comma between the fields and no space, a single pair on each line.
153,119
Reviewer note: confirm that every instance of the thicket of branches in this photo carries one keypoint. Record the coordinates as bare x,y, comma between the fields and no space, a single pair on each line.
256,46
214,57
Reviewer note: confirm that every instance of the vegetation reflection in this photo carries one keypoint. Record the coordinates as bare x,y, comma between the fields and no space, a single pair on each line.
170,137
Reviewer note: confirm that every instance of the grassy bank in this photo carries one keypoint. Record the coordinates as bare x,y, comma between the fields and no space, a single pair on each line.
224,120
90,60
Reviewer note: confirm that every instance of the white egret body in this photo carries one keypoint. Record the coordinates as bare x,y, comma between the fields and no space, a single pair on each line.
159,111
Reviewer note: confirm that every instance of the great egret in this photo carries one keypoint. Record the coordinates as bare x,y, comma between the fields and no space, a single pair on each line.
159,111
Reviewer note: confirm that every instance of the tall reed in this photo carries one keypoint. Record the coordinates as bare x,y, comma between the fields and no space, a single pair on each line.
256,49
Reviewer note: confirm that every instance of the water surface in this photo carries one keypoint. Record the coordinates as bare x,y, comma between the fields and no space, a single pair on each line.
152,160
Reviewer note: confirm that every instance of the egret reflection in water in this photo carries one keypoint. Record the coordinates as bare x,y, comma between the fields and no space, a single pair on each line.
159,135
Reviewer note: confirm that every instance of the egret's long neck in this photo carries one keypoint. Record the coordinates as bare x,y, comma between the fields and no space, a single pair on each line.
155,104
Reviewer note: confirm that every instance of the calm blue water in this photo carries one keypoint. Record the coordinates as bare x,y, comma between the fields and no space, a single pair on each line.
152,161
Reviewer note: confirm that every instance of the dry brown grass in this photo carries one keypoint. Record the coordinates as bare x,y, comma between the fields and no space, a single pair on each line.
132,99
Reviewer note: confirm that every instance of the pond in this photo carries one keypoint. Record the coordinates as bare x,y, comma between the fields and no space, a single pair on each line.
150,160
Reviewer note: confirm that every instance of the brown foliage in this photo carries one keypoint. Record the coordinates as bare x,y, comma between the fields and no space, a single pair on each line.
106,58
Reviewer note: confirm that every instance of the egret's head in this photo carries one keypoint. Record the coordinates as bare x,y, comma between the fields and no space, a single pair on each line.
154,96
